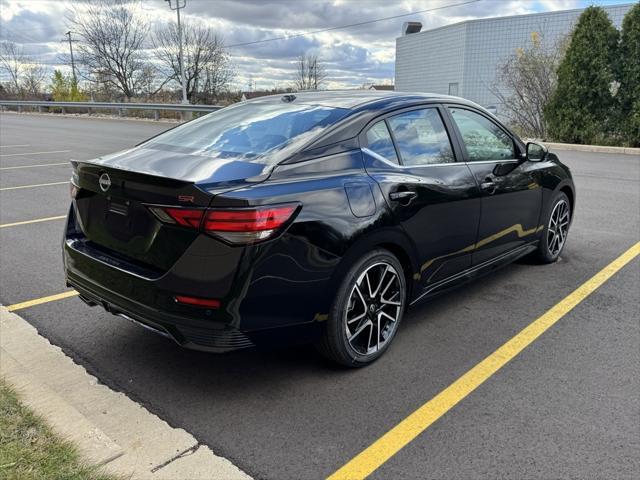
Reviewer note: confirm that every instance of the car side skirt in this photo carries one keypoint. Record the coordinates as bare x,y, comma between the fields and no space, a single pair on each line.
476,271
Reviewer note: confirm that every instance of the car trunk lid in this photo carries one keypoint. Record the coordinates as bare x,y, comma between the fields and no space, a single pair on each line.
115,193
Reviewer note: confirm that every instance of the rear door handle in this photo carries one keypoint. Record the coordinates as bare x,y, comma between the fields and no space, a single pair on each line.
405,197
488,186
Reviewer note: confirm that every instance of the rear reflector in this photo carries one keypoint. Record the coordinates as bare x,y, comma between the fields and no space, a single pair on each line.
198,302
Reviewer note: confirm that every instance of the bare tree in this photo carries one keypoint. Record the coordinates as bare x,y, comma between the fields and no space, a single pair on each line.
147,80
101,86
218,74
113,33
26,75
34,75
207,68
12,62
310,73
525,83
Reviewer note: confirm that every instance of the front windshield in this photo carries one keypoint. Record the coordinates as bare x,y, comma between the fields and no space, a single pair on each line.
262,132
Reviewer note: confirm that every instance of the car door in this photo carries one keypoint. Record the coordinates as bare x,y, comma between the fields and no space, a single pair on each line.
511,194
434,196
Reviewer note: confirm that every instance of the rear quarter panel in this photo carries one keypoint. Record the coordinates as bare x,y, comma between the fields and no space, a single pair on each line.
293,279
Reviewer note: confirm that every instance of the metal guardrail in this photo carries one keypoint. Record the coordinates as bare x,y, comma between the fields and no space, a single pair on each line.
119,107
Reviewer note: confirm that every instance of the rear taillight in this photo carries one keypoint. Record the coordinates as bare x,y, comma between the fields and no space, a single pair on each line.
237,226
185,216
73,190
247,225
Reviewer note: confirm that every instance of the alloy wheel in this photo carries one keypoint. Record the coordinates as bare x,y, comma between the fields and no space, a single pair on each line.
558,227
374,308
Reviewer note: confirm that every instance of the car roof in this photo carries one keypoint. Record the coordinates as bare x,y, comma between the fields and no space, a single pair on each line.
354,99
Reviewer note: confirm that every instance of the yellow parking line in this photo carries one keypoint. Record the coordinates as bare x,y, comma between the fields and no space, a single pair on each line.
41,300
408,429
27,222
31,153
33,186
34,166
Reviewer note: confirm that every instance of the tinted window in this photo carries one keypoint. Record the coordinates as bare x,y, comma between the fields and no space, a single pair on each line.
260,131
421,137
483,138
379,141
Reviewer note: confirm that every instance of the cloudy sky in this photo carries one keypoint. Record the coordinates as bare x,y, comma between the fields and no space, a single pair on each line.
353,56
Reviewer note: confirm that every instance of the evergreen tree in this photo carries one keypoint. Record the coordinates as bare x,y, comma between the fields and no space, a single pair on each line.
629,77
65,89
581,109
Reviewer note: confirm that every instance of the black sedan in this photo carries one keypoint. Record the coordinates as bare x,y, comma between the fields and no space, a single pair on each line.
311,217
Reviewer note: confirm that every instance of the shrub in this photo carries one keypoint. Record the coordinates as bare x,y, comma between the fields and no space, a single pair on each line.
65,89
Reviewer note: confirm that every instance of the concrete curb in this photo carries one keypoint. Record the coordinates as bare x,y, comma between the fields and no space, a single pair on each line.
592,148
109,428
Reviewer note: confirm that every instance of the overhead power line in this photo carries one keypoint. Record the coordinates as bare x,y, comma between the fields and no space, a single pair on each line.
287,37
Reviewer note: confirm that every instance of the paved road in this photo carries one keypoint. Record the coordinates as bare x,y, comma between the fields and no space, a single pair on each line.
568,406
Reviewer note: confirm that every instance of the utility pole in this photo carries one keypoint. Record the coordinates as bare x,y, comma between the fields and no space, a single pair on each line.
73,65
178,6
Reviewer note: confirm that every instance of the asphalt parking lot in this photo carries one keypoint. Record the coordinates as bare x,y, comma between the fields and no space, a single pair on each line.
567,406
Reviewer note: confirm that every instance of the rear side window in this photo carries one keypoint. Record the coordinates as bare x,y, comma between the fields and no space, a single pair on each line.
421,137
483,139
379,141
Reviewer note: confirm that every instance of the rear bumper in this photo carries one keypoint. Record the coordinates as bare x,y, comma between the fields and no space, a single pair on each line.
146,296
270,294
209,336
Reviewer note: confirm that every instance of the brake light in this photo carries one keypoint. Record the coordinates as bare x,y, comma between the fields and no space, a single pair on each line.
259,219
198,302
187,217
248,225
238,226
73,190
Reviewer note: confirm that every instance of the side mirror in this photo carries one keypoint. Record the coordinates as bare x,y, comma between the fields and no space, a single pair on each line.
536,152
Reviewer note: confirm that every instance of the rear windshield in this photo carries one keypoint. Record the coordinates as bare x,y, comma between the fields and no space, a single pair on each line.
263,132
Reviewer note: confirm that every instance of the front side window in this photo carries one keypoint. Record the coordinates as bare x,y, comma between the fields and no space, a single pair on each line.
421,137
379,141
252,131
483,138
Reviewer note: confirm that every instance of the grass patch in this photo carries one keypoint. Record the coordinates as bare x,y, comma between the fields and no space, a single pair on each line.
30,450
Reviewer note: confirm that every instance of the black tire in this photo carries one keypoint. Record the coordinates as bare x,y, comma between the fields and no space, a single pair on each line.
334,343
548,251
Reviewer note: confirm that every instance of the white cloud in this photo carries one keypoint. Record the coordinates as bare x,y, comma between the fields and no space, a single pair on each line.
559,4
353,56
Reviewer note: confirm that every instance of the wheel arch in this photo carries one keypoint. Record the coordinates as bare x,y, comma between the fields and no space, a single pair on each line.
391,239
407,265
568,190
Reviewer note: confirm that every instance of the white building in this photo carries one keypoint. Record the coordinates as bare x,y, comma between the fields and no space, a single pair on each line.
463,59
